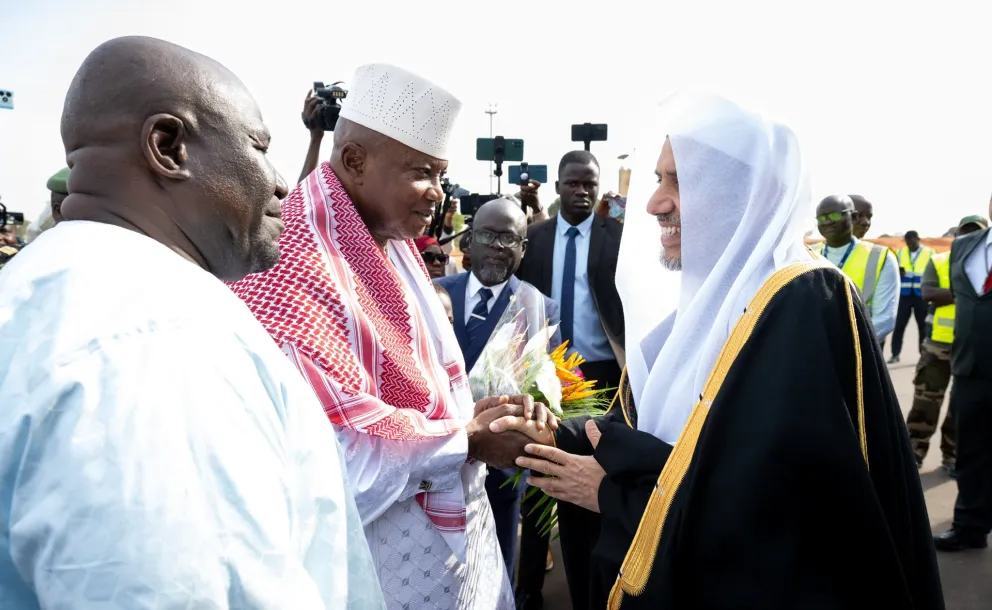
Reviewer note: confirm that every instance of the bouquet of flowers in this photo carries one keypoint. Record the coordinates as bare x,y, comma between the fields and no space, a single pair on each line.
517,360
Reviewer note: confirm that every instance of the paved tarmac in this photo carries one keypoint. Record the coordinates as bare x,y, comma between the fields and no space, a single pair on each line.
966,577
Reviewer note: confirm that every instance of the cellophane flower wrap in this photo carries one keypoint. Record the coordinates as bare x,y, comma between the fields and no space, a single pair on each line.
520,359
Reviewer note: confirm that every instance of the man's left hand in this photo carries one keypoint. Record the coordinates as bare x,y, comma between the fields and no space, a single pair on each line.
572,478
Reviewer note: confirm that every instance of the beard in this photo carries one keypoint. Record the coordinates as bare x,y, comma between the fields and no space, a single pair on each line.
492,273
670,262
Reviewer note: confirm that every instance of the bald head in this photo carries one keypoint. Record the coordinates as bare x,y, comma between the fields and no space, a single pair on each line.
834,218
504,214
394,187
169,143
499,231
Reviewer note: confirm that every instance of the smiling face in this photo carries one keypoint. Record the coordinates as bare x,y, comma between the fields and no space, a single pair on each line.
834,219
234,184
666,206
395,188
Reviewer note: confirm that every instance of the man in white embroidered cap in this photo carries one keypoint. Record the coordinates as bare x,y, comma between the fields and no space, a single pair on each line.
766,464
351,304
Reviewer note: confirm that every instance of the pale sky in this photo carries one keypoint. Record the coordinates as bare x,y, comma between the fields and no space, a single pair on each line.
889,98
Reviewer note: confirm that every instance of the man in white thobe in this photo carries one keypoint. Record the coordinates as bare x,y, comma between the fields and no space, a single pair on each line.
158,450
351,303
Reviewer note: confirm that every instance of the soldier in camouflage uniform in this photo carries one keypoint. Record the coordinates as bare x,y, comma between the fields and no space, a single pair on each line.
933,372
933,375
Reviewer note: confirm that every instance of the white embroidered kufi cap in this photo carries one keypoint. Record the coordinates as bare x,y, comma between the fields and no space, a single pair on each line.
403,106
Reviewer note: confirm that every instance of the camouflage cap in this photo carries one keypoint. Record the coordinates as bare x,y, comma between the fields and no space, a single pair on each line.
57,183
974,220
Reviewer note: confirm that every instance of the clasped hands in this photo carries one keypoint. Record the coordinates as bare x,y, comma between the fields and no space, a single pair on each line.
522,422
572,478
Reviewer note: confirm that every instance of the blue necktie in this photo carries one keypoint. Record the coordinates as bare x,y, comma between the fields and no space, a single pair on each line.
477,321
568,287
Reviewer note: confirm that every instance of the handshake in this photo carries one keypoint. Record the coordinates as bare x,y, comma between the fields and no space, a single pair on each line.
522,420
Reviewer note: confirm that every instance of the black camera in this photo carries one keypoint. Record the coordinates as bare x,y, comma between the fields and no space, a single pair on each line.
330,105
10,218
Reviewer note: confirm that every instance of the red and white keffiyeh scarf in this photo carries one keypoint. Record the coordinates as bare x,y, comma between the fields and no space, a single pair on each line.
365,328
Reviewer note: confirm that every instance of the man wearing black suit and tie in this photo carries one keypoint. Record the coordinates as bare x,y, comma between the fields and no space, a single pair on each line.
971,392
478,299
572,258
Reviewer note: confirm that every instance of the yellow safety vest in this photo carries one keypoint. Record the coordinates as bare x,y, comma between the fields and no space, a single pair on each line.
943,317
913,280
864,256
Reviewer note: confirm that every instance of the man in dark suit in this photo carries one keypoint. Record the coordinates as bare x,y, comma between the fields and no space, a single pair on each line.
479,298
573,259
971,394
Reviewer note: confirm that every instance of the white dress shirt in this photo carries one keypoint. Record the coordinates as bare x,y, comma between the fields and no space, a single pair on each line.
977,265
472,297
588,336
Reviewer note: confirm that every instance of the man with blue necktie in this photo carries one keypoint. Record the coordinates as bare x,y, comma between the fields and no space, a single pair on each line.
479,297
573,259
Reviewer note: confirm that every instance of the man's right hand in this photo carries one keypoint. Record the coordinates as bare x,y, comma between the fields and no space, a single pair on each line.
496,449
310,106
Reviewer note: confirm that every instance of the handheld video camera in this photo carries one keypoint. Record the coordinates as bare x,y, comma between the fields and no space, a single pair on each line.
330,105
10,218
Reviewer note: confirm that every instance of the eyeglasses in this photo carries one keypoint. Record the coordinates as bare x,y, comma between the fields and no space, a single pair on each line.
832,217
432,257
506,240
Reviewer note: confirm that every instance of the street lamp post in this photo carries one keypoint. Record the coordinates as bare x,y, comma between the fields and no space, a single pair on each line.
491,111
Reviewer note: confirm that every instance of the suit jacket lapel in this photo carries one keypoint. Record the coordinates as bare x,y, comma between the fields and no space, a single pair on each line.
597,235
963,259
458,307
548,257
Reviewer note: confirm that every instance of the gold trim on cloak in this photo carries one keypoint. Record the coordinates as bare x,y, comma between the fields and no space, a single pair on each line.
639,561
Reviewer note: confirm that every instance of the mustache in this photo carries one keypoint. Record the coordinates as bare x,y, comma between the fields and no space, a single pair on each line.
670,218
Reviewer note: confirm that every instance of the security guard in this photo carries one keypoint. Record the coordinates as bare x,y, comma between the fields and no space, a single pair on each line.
872,269
913,261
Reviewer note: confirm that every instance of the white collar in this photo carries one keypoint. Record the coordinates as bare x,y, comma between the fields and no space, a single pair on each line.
474,285
988,239
584,227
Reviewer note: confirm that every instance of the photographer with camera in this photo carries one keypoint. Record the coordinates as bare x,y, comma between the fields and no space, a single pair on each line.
310,106
320,113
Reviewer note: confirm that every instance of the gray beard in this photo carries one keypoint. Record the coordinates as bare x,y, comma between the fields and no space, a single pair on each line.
490,275
672,264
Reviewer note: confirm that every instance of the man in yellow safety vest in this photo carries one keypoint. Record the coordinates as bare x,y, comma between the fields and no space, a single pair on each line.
913,260
873,269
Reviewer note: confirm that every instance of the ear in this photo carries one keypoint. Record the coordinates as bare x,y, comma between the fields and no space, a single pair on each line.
523,247
164,141
557,192
353,159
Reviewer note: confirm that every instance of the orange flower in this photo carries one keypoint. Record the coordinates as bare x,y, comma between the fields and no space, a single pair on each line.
573,386
578,391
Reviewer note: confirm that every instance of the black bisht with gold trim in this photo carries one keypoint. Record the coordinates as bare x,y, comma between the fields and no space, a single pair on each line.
793,484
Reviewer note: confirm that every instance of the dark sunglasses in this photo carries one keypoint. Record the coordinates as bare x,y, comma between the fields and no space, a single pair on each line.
507,240
832,217
430,258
